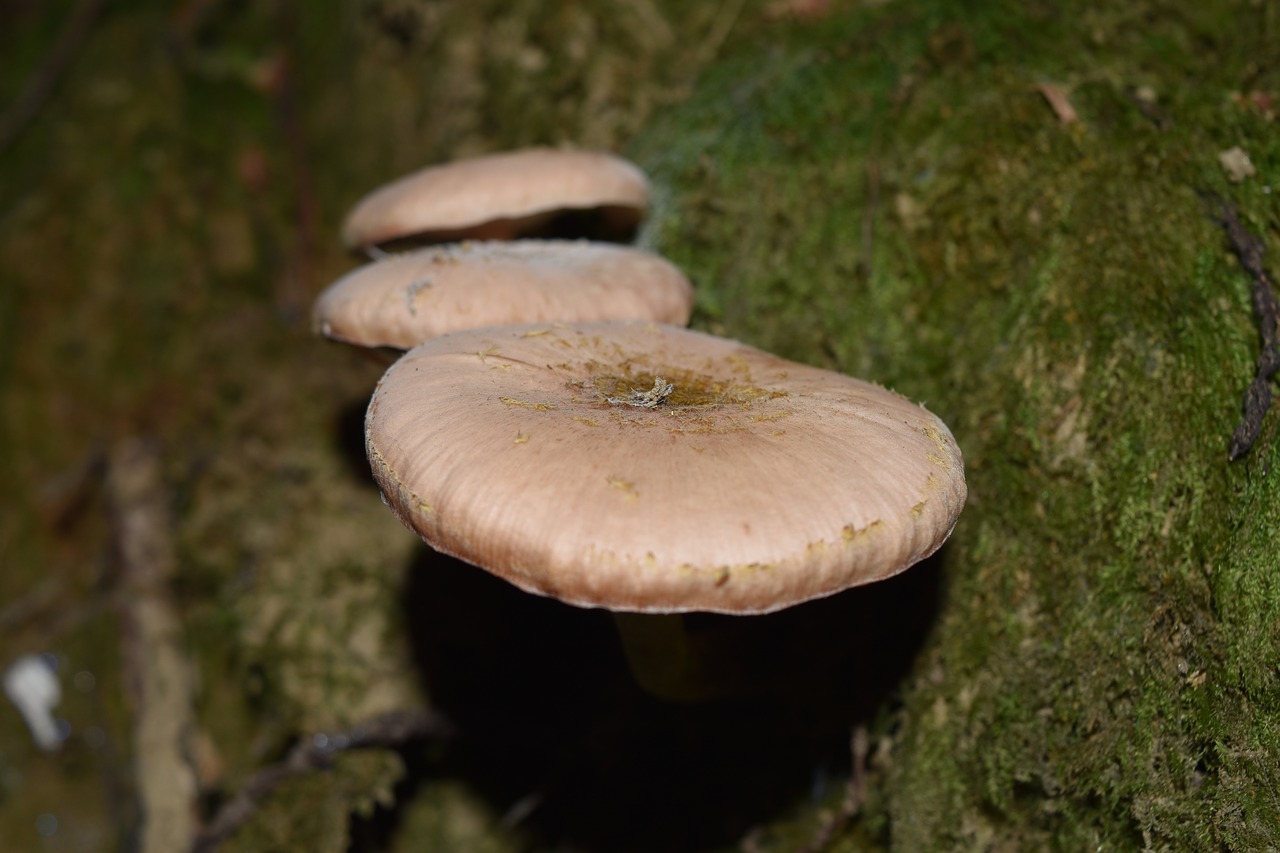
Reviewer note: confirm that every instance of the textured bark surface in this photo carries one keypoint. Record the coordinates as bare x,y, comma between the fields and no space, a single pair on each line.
1005,210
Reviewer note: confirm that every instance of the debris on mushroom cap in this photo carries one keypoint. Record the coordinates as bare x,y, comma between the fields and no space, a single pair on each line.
406,299
499,196
558,458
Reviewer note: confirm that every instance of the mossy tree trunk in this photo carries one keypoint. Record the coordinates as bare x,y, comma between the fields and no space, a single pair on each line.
892,195
882,188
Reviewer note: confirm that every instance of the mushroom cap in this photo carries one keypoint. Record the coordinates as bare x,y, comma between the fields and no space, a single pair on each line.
507,191
406,299
641,467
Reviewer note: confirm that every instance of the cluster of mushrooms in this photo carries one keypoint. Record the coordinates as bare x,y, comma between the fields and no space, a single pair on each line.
553,423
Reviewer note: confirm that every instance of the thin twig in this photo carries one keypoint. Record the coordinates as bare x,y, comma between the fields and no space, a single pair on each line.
855,794
318,752
45,79
36,603
1250,249
1058,101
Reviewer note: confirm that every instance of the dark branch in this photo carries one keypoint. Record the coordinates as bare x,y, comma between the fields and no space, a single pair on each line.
318,752
42,83
1250,249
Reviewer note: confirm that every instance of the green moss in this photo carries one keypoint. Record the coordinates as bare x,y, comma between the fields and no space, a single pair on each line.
313,811
883,191
890,195
447,815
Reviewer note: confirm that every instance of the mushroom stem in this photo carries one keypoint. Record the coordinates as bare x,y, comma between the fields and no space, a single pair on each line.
675,664
657,650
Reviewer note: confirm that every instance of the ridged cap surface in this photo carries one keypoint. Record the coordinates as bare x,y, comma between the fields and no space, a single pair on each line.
406,299
503,189
641,467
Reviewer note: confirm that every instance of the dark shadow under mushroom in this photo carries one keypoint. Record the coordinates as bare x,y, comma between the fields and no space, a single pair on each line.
605,224
552,724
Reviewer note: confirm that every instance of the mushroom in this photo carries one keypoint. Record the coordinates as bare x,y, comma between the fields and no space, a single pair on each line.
503,196
405,299
653,470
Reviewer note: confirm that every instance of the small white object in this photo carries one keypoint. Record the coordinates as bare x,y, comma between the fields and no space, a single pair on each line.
1236,163
32,686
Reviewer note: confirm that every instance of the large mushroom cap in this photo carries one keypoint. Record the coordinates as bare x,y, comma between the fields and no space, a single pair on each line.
406,299
498,196
641,467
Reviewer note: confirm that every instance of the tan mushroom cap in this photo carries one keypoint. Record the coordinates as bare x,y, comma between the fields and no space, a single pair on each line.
498,196
640,467
406,299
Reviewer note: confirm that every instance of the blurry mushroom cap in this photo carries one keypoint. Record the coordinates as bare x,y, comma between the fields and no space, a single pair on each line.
640,467
499,196
406,299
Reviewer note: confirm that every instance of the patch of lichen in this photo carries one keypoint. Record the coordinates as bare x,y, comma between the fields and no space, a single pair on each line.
892,196
449,815
314,811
